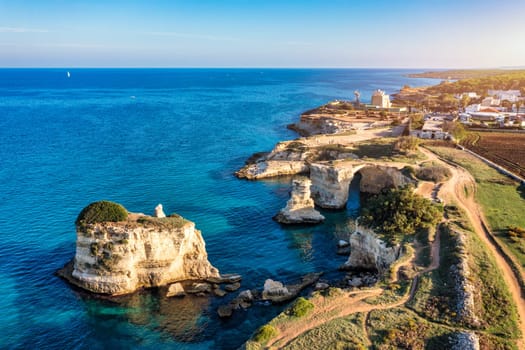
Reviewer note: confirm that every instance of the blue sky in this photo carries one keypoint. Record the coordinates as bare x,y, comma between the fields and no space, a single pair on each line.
235,33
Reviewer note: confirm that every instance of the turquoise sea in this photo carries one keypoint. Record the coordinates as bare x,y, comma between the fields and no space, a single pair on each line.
142,137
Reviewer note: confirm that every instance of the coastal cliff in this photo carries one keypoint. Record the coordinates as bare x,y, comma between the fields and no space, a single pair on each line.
369,252
375,178
330,184
300,207
141,251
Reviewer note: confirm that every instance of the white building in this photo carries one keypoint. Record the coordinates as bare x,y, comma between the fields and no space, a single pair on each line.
432,129
468,94
473,108
490,101
380,99
509,95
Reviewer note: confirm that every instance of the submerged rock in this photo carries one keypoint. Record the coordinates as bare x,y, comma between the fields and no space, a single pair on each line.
141,251
225,311
232,287
300,207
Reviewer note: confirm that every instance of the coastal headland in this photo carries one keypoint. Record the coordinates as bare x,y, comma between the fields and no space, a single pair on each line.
447,285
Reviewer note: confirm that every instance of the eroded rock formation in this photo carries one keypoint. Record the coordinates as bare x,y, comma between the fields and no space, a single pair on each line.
143,251
367,251
300,207
375,178
330,184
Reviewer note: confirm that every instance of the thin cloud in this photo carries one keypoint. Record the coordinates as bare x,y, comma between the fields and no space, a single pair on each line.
22,30
193,36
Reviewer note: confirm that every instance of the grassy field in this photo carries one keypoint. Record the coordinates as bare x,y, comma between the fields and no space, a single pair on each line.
502,200
342,333
402,329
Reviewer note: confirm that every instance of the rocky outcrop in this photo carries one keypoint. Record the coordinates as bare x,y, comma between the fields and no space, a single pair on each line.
300,207
159,212
330,183
375,178
369,252
143,251
287,158
465,290
464,341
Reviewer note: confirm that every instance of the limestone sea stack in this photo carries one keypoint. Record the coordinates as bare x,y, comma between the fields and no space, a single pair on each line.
119,252
300,207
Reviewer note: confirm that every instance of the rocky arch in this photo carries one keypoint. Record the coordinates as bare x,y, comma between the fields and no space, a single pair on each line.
331,181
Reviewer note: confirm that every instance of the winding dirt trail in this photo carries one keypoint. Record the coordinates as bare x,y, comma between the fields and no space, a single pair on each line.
461,189
328,309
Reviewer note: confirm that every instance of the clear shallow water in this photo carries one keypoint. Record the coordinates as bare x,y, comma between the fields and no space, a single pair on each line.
142,137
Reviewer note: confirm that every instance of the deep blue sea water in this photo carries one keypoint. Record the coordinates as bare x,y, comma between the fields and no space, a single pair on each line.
142,137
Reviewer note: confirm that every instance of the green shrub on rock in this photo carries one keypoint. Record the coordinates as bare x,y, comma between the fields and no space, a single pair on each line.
301,307
265,333
102,211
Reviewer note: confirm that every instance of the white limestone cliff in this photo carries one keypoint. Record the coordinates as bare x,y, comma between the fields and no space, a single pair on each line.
330,184
300,207
367,251
143,251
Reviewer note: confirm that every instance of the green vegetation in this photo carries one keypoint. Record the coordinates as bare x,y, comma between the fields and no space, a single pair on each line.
399,212
406,144
172,221
435,173
496,310
457,130
500,198
400,328
441,96
344,333
301,307
103,211
265,333
507,80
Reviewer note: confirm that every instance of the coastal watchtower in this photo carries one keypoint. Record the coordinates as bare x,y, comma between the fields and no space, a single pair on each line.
380,99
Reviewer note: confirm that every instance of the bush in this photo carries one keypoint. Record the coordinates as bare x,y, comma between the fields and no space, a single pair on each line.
399,212
102,211
433,173
301,307
406,144
265,333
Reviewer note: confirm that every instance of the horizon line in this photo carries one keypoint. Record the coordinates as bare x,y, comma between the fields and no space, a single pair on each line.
257,67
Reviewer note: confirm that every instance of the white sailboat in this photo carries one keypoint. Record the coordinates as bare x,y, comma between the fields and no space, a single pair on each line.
68,75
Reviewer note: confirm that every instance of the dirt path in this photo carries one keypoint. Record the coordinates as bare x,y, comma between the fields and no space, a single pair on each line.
461,189
328,309
361,135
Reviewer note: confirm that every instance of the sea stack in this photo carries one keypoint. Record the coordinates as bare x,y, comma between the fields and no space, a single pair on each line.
300,207
119,252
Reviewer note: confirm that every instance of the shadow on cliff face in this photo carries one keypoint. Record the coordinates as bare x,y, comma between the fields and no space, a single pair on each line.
521,190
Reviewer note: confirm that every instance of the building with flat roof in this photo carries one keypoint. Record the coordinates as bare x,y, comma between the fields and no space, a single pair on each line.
380,99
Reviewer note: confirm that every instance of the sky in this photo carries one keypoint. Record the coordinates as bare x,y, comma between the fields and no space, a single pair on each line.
270,33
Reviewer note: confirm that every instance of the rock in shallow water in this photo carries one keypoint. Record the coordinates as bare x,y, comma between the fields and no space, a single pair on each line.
300,207
143,251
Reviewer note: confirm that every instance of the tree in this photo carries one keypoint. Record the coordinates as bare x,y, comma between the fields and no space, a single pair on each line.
399,212
465,100
457,130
